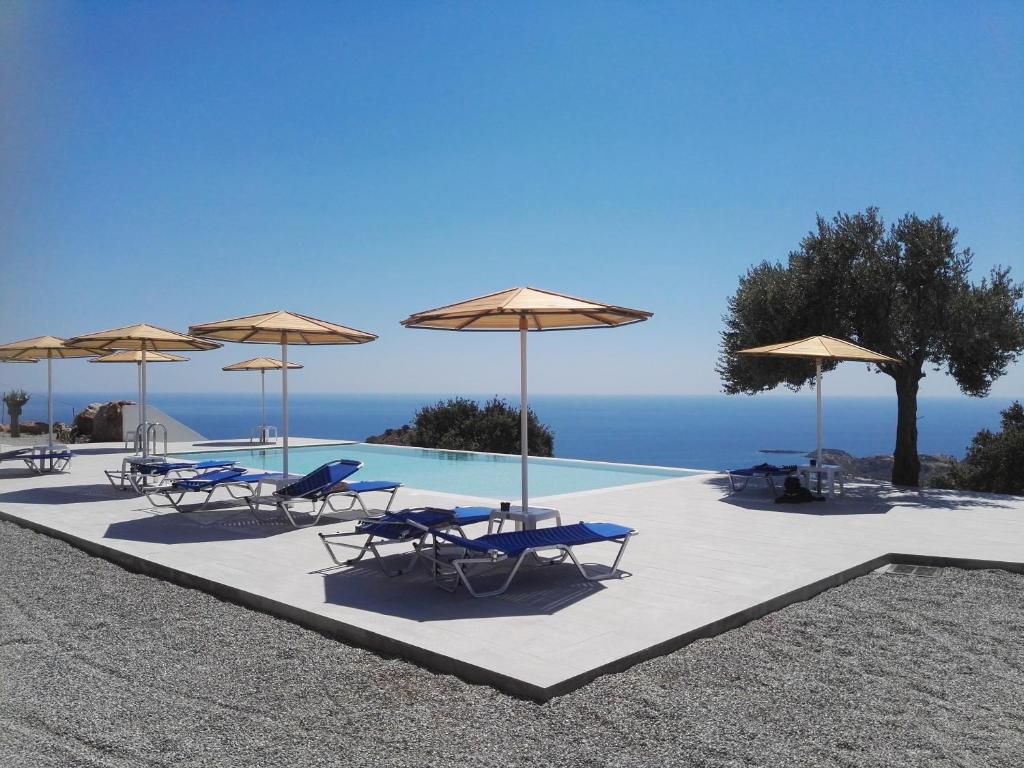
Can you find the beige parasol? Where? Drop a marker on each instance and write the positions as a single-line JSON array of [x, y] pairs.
[[819, 348], [261, 364], [282, 328], [135, 356], [40, 348], [523, 310], [145, 339]]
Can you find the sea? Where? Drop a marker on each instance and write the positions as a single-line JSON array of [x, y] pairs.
[[695, 431]]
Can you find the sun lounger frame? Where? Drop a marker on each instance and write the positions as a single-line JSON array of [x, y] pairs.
[[449, 572], [130, 475], [174, 493], [404, 532], [321, 496]]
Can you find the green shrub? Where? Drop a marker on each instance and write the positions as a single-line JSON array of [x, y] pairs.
[[994, 461], [460, 424]]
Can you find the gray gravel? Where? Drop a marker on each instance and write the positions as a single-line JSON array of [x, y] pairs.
[[102, 667]]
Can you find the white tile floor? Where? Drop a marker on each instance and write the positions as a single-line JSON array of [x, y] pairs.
[[701, 557]]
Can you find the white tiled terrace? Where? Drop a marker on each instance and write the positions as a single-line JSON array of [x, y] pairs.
[[703, 562]]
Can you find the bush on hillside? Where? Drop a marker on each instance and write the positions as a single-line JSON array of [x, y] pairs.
[[460, 424], [994, 461]]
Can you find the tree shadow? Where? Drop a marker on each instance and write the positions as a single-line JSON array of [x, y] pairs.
[[538, 590], [868, 498], [857, 500]]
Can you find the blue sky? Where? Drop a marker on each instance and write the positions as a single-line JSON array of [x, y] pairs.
[[182, 163]]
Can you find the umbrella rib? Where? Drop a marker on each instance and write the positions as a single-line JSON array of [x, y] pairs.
[[472, 320]]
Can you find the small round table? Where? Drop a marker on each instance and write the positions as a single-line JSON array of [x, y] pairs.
[[526, 521], [832, 473]]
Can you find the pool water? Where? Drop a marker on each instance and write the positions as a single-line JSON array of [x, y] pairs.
[[473, 474]]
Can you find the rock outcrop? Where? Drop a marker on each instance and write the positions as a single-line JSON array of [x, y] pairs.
[[102, 422], [108, 423]]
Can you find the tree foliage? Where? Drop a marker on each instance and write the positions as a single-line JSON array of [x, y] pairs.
[[903, 290], [466, 425], [994, 461]]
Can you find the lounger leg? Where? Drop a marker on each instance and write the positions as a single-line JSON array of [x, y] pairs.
[[460, 568], [291, 519], [599, 576]]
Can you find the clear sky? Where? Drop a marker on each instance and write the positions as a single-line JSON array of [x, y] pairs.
[[177, 163]]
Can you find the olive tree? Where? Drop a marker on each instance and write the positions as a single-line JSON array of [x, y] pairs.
[[903, 290]]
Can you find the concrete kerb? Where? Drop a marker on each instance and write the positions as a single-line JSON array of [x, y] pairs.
[[390, 647]]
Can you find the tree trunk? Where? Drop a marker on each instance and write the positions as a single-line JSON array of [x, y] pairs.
[[15, 423], [906, 467]]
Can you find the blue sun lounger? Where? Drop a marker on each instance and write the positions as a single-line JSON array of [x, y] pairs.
[[452, 563], [42, 459], [397, 528], [320, 487], [136, 470], [233, 479], [17, 453], [36, 458], [766, 472]]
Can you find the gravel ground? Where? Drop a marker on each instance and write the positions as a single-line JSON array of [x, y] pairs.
[[102, 667]]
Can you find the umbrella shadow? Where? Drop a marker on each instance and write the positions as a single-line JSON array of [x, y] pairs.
[[243, 443], [218, 522], [540, 590], [860, 499], [83, 450], [227, 520], [64, 494]]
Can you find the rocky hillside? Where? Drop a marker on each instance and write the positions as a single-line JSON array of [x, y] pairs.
[[880, 467]]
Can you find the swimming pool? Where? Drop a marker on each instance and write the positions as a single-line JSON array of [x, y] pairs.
[[474, 474]]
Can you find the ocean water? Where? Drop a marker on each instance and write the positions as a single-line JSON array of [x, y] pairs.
[[699, 432]]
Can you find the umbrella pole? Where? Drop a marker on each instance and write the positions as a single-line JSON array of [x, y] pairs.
[[263, 405], [817, 390], [284, 404], [142, 405], [524, 421], [49, 398]]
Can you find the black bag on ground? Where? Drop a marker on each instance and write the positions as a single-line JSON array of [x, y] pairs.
[[794, 493]]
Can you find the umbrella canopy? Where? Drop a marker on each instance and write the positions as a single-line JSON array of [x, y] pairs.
[[140, 337], [43, 348], [135, 356], [144, 339], [820, 348], [524, 310], [541, 311], [282, 328], [261, 364]]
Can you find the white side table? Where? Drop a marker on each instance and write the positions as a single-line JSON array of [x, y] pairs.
[[832, 472], [525, 521]]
